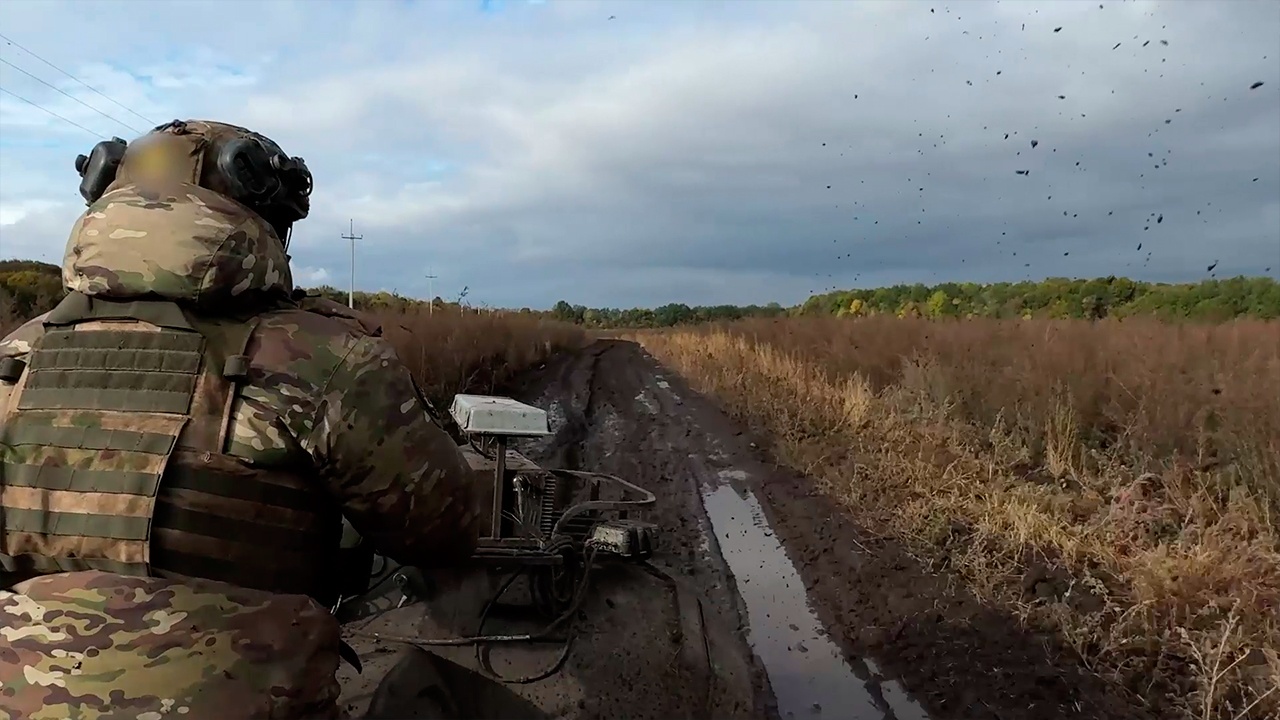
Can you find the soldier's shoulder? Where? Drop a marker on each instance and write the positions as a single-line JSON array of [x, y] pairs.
[[363, 321], [19, 341], [308, 344]]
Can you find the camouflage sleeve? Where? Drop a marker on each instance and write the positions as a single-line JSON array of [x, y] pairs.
[[400, 477], [18, 342]]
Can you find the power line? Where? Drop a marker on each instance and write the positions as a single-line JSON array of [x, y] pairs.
[[40, 107], [13, 42], [73, 97], [430, 292], [353, 237]]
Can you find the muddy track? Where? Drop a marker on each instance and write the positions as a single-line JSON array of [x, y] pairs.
[[590, 397], [615, 411], [828, 622]]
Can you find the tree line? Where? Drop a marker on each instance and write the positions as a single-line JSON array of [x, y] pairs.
[[1211, 300], [28, 288]]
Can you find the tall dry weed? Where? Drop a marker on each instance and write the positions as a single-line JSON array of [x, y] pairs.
[[1136, 462], [449, 353]]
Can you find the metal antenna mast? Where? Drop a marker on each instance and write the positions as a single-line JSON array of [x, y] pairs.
[[431, 294], [351, 235]]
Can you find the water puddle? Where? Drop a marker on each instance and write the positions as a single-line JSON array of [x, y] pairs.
[[809, 674]]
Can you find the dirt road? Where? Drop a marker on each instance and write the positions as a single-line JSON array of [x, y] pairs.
[[618, 413], [797, 602]]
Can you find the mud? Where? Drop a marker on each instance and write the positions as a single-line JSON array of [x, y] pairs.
[[804, 616], [624, 415]]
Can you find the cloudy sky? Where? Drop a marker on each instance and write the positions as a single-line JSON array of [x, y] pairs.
[[636, 153]]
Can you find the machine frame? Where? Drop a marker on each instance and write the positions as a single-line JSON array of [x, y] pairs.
[[536, 514]]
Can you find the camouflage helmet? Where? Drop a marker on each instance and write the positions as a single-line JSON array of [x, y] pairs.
[[230, 160]]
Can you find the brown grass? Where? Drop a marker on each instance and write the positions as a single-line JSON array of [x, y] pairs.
[[450, 353], [1117, 481]]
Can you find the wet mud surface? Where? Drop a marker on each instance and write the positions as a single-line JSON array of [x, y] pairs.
[[800, 615]]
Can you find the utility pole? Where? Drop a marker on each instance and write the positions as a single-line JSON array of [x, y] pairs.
[[431, 294], [351, 235]]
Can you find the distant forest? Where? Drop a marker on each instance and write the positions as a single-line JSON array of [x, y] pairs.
[[28, 288]]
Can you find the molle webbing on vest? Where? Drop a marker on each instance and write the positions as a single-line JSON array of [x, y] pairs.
[[114, 458], [219, 519], [114, 370], [84, 453]]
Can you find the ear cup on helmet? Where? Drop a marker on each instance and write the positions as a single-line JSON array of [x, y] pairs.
[[296, 185], [248, 170], [98, 169]]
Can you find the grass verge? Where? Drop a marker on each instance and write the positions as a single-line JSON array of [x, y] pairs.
[[449, 353], [1116, 482]]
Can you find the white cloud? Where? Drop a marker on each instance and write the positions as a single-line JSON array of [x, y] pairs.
[[310, 276], [676, 152]]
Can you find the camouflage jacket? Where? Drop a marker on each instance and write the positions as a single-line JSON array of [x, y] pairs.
[[324, 392]]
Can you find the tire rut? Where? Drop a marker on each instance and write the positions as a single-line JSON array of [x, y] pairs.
[[597, 392]]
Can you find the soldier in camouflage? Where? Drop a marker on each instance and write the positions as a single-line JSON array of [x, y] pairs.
[[180, 439]]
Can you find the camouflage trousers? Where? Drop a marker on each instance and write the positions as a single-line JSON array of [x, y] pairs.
[[93, 645]]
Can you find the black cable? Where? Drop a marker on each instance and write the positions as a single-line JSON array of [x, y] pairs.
[[41, 107], [13, 42], [386, 575], [482, 654], [69, 95], [480, 640]]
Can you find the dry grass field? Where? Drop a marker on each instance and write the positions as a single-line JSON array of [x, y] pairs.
[[1117, 481], [450, 353]]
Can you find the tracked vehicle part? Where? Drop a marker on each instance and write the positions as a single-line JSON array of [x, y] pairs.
[[549, 526], [496, 416], [624, 538], [535, 512]]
